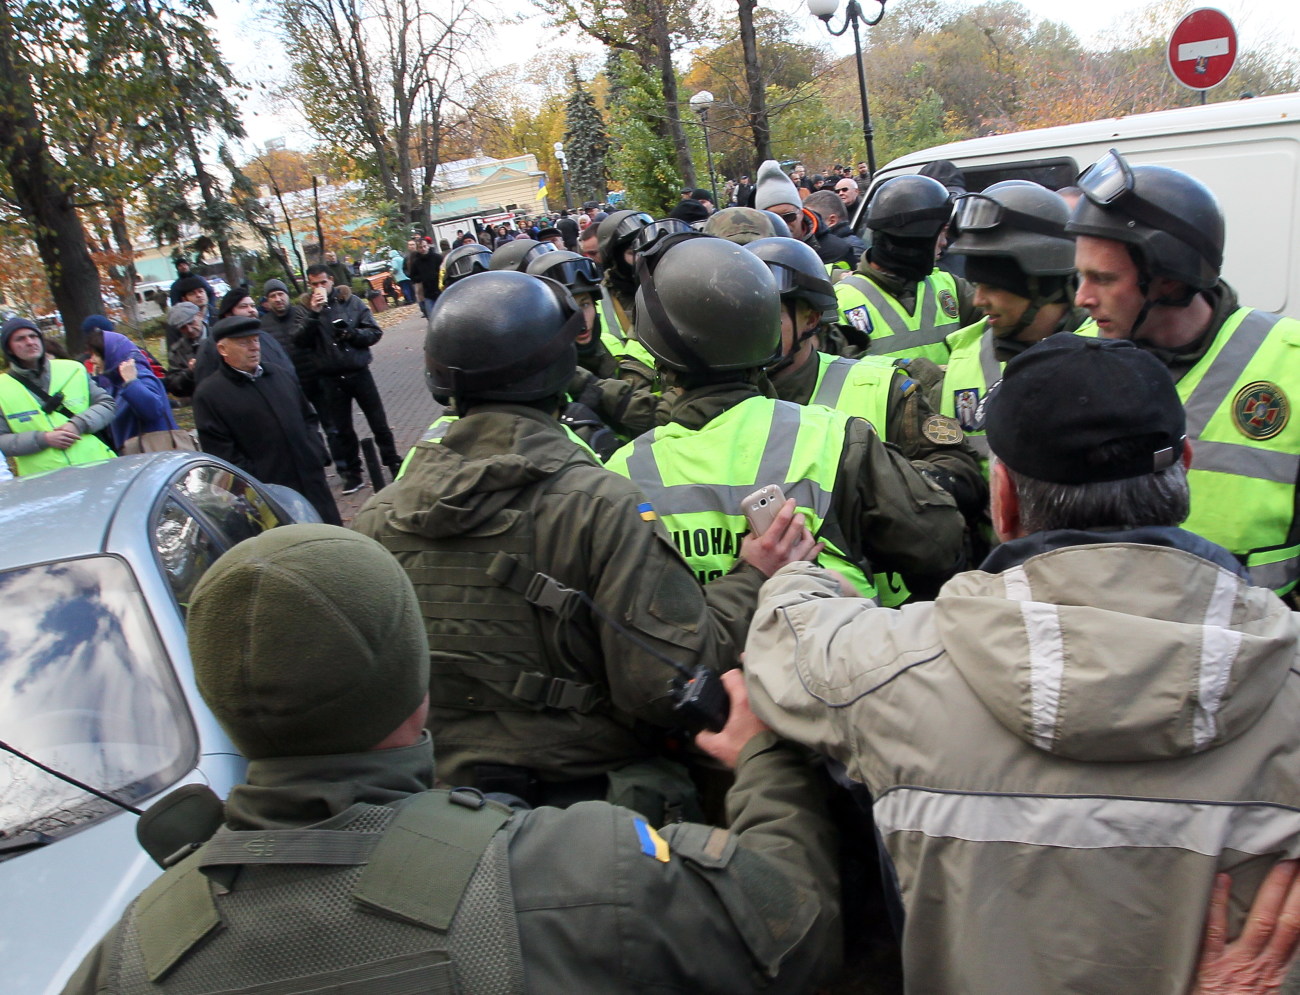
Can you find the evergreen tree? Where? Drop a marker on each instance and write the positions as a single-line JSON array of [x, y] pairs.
[[641, 159], [586, 142]]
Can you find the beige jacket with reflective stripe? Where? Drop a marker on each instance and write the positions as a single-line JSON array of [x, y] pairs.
[[1061, 754]]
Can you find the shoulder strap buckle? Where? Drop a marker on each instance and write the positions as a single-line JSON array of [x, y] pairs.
[[556, 692]]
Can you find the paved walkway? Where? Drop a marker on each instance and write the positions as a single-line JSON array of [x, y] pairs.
[[398, 369]]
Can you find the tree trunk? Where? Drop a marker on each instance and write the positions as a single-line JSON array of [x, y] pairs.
[[758, 123], [122, 239], [672, 111], [43, 194]]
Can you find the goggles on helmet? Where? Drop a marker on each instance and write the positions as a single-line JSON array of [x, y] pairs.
[[1109, 182], [540, 249], [656, 230], [574, 273], [632, 224], [979, 212], [794, 283], [467, 263]]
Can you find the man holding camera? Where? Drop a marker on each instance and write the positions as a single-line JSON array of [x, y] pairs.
[[342, 330]]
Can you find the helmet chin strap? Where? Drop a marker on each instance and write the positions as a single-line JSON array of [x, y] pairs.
[[787, 358]]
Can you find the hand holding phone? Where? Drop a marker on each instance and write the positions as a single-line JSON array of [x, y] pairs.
[[761, 507]]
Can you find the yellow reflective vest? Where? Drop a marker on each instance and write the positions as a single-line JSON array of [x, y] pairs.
[[696, 479], [895, 331], [1246, 444], [22, 412]]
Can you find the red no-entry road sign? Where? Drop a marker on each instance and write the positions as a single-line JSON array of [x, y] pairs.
[[1202, 49]]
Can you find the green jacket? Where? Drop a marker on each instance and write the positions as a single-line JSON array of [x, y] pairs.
[[586, 899], [461, 498]]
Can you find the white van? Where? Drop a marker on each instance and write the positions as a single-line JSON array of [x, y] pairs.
[[1246, 151]]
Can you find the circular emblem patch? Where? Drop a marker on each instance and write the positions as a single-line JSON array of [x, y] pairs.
[[942, 430], [1261, 410], [948, 303]]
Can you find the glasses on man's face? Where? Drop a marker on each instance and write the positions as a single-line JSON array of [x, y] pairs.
[[843, 189], [790, 218]]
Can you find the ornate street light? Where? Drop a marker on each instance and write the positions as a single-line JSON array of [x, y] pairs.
[[825, 10], [701, 103], [564, 172]]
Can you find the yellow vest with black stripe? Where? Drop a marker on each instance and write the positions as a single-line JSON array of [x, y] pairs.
[[696, 479], [1246, 444], [973, 368], [893, 330], [22, 412]]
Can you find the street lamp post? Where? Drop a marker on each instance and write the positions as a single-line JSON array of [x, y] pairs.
[[564, 173], [701, 103], [320, 236], [825, 10]]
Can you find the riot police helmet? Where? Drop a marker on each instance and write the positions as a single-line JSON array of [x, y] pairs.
[[463, 261], [1172, 222], [578, 274], [707, 306], [911, 206], [503, 336], [799, 272], [1019, 220], [518, 254]]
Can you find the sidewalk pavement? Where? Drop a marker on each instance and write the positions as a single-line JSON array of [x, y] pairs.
[[398, 368]]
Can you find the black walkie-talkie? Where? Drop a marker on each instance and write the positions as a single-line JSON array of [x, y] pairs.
[[701, 699]]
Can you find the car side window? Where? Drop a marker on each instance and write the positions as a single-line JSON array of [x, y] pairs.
[[228, 501], [185, 547]]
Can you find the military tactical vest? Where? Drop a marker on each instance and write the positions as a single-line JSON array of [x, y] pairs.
[[697, 479], [495, 649], [413, 899], [893, 330], [22, 411], [1246, 444]]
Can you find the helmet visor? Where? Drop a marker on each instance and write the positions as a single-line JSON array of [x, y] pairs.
[[656, 230], [469, 262], [632, 224], [980, 212], [1107, 180], [540, 249], [576, 274]]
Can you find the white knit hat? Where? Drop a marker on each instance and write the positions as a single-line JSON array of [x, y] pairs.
[[774, 187]]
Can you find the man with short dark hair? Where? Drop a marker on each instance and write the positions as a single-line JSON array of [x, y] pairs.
[[424, 267], [256, 417], [1118, 701], [341, 332]]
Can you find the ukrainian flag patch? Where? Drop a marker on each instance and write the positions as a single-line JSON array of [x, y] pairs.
[[647, 511], [652, 844]]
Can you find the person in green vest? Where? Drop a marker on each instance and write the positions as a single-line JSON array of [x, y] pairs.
[[710, 313], [615, 236], [50, 408], [1149, 249], [337, 867], [1021, 261], [896, 300], [499, 517]]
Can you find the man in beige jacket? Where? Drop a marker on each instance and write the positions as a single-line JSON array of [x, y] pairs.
[[1070, 742]]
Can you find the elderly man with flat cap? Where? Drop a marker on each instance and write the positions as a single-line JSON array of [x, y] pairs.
[[1070, 742], [338, 869], [254, 415]]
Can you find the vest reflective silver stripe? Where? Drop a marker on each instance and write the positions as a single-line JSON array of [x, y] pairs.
[[682, 499], [903, 337], [1208, 396], [1088, 822], [1275, 575], [1245, 461], [832, 385], [989, 365]]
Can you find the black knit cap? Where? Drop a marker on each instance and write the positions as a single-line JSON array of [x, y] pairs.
[[188, 283], [233, 296], [1078, 410]]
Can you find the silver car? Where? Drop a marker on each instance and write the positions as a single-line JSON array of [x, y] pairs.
[[97, 566]]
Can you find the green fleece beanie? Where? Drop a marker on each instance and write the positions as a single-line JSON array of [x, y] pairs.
[[308, 640]]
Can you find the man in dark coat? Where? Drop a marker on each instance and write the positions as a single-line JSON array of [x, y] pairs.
[[256, 417]]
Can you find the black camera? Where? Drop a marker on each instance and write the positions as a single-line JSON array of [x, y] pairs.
[[340, 328]]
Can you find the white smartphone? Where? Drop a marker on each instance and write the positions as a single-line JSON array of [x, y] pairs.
[[761, 507]]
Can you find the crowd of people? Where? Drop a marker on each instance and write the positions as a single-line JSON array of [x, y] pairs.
[[786, 607]]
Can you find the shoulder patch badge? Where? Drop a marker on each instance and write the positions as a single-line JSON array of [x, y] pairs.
[[650, 842], [966, 405], [1260, 410], [942, 430], [949, 304], [860, 318]]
